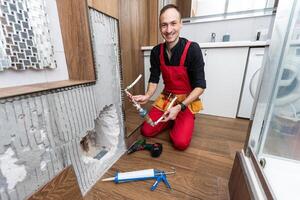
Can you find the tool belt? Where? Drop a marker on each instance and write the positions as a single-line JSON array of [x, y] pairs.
[[164, 99]]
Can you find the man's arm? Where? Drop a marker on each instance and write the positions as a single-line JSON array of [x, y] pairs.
[[151, 89], [196, 92], [153, 79]]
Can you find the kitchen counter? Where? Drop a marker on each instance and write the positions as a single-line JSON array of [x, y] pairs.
[[225, 44]]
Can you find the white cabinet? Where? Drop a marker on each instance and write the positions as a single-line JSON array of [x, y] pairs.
[[224, 73], [251, 81], [147, 66]]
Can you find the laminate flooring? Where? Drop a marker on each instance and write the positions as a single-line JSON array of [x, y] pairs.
[[202, 171]]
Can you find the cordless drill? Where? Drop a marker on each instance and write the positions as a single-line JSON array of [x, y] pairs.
[[155, 149]]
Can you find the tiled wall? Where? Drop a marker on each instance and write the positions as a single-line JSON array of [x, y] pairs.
[[40, 43], [25, 35], [40, 134]]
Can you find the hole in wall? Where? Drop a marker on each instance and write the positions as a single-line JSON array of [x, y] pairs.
[[89, 146], [105, 135]]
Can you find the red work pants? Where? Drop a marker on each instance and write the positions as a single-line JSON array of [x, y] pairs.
[[181, 128]]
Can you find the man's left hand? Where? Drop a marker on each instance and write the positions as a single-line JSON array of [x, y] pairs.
[[172, 113]]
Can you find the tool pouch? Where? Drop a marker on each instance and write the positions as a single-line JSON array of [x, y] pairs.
[[163, 100]]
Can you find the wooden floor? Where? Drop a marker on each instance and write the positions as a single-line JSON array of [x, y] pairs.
[[202, 171]]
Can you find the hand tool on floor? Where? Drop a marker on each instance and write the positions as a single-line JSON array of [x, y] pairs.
[[155, 149], [142, 175]]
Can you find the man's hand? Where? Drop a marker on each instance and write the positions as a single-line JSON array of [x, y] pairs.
[[172, 113], [141, 99]]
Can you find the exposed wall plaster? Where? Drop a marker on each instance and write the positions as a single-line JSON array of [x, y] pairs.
[[10, 170], [107, 128], [43, 131]]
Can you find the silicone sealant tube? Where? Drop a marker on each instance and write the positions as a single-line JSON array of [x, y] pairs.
[[134, 176]]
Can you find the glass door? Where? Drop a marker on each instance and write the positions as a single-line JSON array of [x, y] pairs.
[[275, 134], [283, 116]]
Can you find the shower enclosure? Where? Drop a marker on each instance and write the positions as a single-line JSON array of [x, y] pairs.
[[272, 151]]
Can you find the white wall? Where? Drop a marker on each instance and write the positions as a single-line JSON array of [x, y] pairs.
[[243, 29]]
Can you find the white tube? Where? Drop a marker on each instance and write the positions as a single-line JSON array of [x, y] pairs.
[[134, 82], [172, 102], [170, 105], [147, 173]]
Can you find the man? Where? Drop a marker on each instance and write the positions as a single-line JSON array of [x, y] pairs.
[[181, 64]]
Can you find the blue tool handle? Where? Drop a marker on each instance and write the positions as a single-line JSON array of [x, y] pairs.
[[161, 177], [165, 180], [154, 186]]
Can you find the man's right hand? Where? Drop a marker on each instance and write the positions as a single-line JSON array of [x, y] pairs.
[[141, 99]]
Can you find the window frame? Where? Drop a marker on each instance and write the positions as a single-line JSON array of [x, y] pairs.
[[230, 15]]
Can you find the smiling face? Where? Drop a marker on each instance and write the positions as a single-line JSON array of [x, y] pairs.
[[170, 25]]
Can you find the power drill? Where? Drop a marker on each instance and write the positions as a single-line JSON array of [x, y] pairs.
[[155, 149]]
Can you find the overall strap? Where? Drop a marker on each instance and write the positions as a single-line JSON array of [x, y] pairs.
[[183, 56], [161, 55]]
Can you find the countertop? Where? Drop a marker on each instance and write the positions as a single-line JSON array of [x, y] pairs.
[[225, 44]]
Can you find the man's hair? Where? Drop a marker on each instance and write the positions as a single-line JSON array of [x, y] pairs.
[[169, 6]]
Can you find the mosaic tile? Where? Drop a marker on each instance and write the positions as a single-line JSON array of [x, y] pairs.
[[26, 62], [33, 59], [20, 66], [4, 9], [8, 51], [14, 59], [20, 16], [25, 35], [22, 45], [3, 20], [9, 40], [28, 52], [11, 18], [13, 7]]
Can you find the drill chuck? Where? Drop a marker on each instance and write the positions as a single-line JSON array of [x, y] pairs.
[[156, 150]]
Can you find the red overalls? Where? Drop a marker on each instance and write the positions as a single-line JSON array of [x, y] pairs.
[[177, 82]]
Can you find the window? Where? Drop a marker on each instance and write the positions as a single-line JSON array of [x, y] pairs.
[[207, 7], [221, 7], [244, 5]]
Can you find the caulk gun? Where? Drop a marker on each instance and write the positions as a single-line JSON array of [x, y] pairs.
[[142, 175]]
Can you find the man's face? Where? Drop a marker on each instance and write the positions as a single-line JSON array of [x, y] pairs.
[[170, 25]]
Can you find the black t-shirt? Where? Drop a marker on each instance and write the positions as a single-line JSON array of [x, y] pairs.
[[194, 62]]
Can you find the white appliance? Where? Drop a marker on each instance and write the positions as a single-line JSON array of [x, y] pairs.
[[250, 83]]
